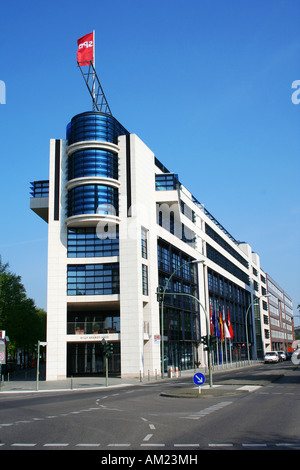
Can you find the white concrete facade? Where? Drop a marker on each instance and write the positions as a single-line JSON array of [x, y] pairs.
[[231, 275]]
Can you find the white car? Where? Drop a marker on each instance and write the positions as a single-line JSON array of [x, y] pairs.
[[271, 356], [282, 355]]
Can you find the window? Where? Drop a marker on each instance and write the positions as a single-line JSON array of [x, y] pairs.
[[94, 126], [160, 218], [164, 257], [144, 244], [85, 243], [39, 188], [93, 279], [172, 224], [166, 182], [93, 199], [93, 162], [145, 279]]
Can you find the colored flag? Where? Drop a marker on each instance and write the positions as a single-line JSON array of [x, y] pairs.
[[229, 325], [226, 331], [211, 322], [85, 51], [221, 325], [216, 325]]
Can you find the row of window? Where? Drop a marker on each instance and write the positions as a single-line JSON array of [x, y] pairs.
[[170, 259], [39, 188], [166, 182], [219, 259], [212, 234], [220, 286]]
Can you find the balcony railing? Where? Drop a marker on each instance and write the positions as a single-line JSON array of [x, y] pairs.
[[39, 188], [89, 328], [96, 328]]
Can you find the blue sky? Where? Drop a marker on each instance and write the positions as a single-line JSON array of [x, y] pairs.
[[206, 84]]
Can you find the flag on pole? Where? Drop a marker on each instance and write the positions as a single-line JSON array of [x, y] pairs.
[[226, 331], [85, 51], [221, 325], [215, 320], [229, 325], [211, 322]]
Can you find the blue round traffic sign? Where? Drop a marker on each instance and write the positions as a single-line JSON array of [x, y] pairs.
[[199, 379]]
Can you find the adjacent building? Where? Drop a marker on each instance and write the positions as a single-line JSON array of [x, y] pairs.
[[120, 226]]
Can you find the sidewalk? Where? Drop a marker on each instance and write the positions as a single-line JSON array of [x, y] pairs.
[[245, 382], [26, 382]]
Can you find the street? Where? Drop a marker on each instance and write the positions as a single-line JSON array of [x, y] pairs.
[[259, 415]]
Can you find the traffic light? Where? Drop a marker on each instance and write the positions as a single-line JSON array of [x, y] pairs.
[[108, 349], [213, 342], [205, 341], [209, 342], [159, 293]]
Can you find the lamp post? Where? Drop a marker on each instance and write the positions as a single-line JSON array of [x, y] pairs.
[[207, 330], [162, 311], [246, 322]]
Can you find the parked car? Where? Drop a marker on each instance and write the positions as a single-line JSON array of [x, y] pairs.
[[282, 355], [271, 356]]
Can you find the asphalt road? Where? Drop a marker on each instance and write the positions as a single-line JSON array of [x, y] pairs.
[[252, 409]]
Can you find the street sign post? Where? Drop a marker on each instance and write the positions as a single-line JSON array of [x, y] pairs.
[[2, 357], [199, 380]]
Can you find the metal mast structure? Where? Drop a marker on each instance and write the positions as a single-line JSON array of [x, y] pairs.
[[93, 84]]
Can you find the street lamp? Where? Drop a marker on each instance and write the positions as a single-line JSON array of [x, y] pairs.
[[248, 309], [162, 310]]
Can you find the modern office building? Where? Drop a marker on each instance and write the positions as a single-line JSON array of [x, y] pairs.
[[280, 334], [120, 225]]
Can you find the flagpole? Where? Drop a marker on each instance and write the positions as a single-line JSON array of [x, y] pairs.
[[94, 65], [218, 335], [225, 335]]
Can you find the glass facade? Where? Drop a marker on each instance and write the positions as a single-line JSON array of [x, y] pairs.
[[166, 182], [85, 243], [225, 294], [94, 126], [93, 279], [93, 199], [88, 359], [93, 162], [219, 259], [181, 312]]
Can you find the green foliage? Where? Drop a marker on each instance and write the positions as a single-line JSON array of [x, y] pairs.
[[23, 322]]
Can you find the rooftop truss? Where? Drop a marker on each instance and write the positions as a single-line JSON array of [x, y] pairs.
[[94, 86]]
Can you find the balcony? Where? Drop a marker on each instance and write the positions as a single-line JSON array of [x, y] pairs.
[[99, 328], [92, 328], [39, 200]]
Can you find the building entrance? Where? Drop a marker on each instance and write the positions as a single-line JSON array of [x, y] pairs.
[[88, 359]]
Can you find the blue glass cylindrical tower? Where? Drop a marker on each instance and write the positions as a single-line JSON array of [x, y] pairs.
[[93, 168]]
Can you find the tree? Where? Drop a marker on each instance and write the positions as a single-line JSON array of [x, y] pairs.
[[23, 322]]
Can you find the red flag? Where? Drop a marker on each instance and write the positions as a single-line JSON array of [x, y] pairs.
[[229, 325], [85, 51]]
